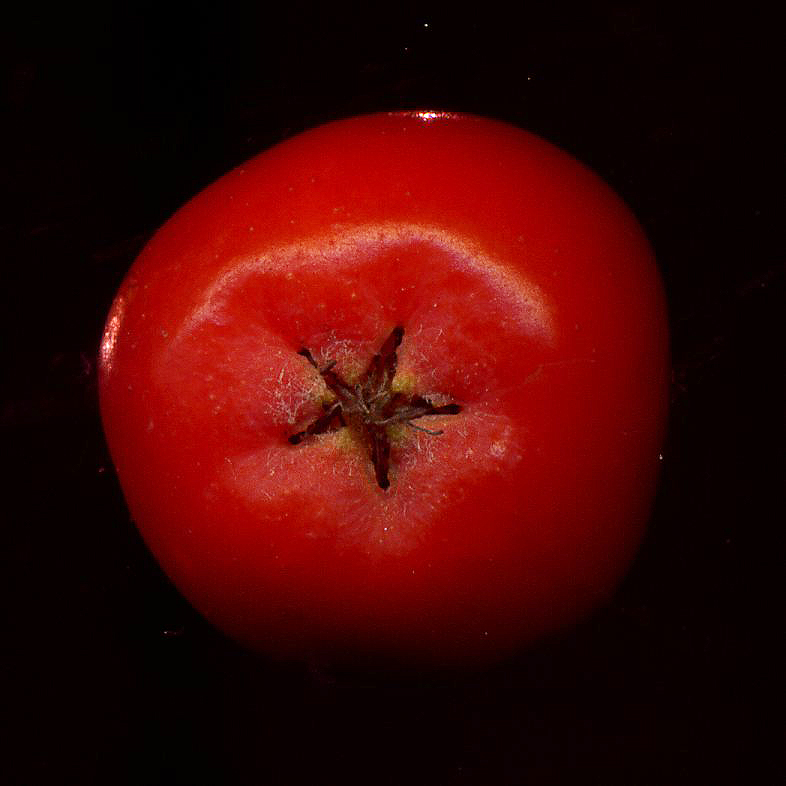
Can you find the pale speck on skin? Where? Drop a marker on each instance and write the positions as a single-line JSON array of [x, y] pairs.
[[497, 449]]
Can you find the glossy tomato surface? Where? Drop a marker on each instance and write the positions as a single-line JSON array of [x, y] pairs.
[[393, 389]]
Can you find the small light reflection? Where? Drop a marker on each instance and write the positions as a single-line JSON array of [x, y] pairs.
[[428, 117], [111, 332]]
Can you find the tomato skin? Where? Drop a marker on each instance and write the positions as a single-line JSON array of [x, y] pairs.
[[527, 293]]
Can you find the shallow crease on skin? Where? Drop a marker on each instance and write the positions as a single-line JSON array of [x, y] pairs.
[[341, 251]]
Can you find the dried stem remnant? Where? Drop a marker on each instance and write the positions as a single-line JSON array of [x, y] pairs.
[[371, 405]]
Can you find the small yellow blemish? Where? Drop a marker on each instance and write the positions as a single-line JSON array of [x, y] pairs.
[[404, 383], [345, 439], [352, 372], [397, 432]]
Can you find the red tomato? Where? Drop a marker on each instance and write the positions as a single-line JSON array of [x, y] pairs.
[[394, 389]]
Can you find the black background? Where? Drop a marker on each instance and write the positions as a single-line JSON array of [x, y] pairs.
[[111, 120]]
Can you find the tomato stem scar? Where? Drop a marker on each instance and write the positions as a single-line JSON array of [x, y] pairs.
[[371, 405]]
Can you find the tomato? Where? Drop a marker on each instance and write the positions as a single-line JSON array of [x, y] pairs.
[[393, 390]]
